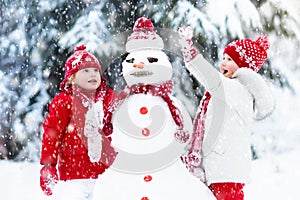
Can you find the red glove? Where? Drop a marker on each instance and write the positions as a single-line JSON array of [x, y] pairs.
[[48, 177], [187, 47]]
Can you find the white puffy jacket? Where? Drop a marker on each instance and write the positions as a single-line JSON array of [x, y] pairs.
[[233, 105]]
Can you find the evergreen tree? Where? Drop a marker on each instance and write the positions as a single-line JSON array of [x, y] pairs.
[[38, 36], [29, 58]]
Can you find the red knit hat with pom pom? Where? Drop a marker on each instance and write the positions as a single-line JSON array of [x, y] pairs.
[[79, 60], [248, 53], [143, 36]]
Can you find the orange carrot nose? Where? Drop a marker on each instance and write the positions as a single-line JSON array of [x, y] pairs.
[[139, 65]]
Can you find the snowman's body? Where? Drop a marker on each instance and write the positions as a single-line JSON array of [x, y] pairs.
[[148, 166], [143, 124]]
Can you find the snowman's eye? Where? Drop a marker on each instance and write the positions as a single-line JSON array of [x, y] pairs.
[[130, 60], [152, 60]]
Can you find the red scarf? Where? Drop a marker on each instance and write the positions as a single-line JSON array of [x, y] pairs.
[[83, 102], [192, 157], [163, 90], [88, 98]]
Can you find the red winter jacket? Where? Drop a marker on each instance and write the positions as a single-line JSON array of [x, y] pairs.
[[64, 144]]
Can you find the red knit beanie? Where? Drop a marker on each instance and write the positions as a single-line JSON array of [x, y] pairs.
[[79, 60], [248, 53]]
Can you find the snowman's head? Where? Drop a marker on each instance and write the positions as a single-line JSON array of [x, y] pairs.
[[146, 62], [149, 66]]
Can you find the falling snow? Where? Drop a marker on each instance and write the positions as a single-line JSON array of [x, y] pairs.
[[37, 37]]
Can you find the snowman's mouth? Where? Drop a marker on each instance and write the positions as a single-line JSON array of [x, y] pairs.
[[141, 73]]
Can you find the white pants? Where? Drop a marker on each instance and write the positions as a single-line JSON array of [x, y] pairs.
[[79, 189]]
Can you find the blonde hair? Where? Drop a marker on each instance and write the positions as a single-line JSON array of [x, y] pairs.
[[71, 79]]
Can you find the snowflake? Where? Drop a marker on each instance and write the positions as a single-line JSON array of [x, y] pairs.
[[249, 59], [240, 50]]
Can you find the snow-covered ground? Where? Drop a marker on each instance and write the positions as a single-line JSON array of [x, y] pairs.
[[274, 177]]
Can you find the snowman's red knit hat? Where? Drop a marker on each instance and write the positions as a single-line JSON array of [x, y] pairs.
[[248, 53], [79, 60], [143, 36]]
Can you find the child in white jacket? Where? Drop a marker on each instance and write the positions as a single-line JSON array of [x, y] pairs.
[[220, 151]]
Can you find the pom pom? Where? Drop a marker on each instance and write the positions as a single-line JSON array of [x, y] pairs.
[[80, 48], [263, 42], [181, 136], [194, 158], [143, 24]]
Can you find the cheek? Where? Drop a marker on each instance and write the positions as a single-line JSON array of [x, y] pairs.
[[127, 67], [81, 78], [99, 76], [233, 67]]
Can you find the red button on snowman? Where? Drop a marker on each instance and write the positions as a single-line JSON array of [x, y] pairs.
[[151, 128]]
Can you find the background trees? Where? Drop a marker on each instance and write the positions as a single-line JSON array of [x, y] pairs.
[[38, 36]]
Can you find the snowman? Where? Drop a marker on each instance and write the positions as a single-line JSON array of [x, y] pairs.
[[151, 129]]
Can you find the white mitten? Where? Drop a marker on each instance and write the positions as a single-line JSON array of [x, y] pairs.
[[93, 121], [187, 47]]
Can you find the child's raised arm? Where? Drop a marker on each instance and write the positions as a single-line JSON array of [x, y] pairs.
[[197, 65], [264, 102]]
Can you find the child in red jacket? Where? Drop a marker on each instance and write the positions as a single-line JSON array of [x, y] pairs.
[[76, 138]]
